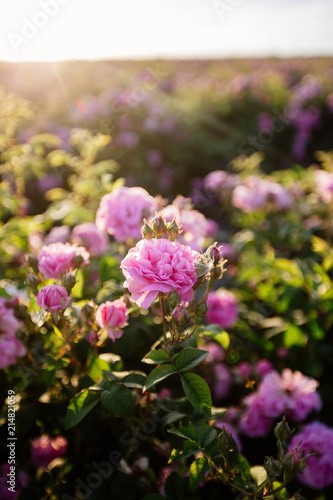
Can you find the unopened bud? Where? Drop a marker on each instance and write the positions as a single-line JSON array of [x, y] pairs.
[[224, 441], [146, 230], [32, 280], [32, 261], [173, 230], [273, 468], [88, 311], [68, 282], [159, 226], [201, 311], [180, 315], [282, 430], [294, 461], [92, 337], [173, 299]]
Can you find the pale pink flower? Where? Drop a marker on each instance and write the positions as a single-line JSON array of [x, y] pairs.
[[112, 316], [45, 449], [121, 212], [316, 438], [58, 258], [53, 298], [222, 308], [58, 234], [255, 193], [11, 348], [90, 237], [159, 265], [324, 184], [8, 322]]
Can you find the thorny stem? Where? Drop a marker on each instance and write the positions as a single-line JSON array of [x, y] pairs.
[[165, 324]]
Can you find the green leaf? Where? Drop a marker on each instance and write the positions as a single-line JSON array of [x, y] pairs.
[[96, 367], [197, 391], [77, 290], [156, 357], [259, 474], [79, 407], [118, 400], [206, 434], [159, 373], [188, 432], [134, 380], [244, 467], [197, 472], [294, 336], [189, 358], [215, 332]]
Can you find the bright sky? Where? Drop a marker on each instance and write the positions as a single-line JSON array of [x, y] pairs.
[[93, 29]]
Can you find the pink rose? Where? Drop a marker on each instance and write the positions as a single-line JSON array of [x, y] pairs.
[[222, 308], [10, 349], [112, 316], [316, 438], [58, 258], [159, 265], [58, 234], [121, 212], [8, 322], [52, 298], [45, 449], [263, 366], [324, 185], [89, 236]]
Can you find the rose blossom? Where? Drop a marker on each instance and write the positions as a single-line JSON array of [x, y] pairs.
[[8, 322], [255, 193], [10, 349], [159, 265], [112, 316], [58, 234], [52, 298], [89, 236], [291, 393], [44, 449], [121, 212], [222, 381], [317, 439], [222, 308], [58, 258]]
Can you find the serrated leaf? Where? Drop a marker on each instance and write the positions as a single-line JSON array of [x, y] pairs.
[[205, 435], [184, 432], [197, 472], [197, 391], [189, 358], [118, 400], [244, 467], [156, 357], [79, 407], [159, 373]]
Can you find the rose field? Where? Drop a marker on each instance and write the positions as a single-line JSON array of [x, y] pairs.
[[166, 280]]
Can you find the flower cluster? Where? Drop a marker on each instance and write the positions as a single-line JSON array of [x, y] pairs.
[[255, 193], [290, 393], [58, 258]]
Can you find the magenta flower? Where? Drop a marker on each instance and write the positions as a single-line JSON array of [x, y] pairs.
[[112, 316], [222, 381], [53, 298], [159, 265], [19, 481], [316, 438], [10, 349], [45, 449], [244, 369], [121, 212], [90, 237], [8, 322], [222, 308], [253, 422], [263, 366], [58, 258]]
